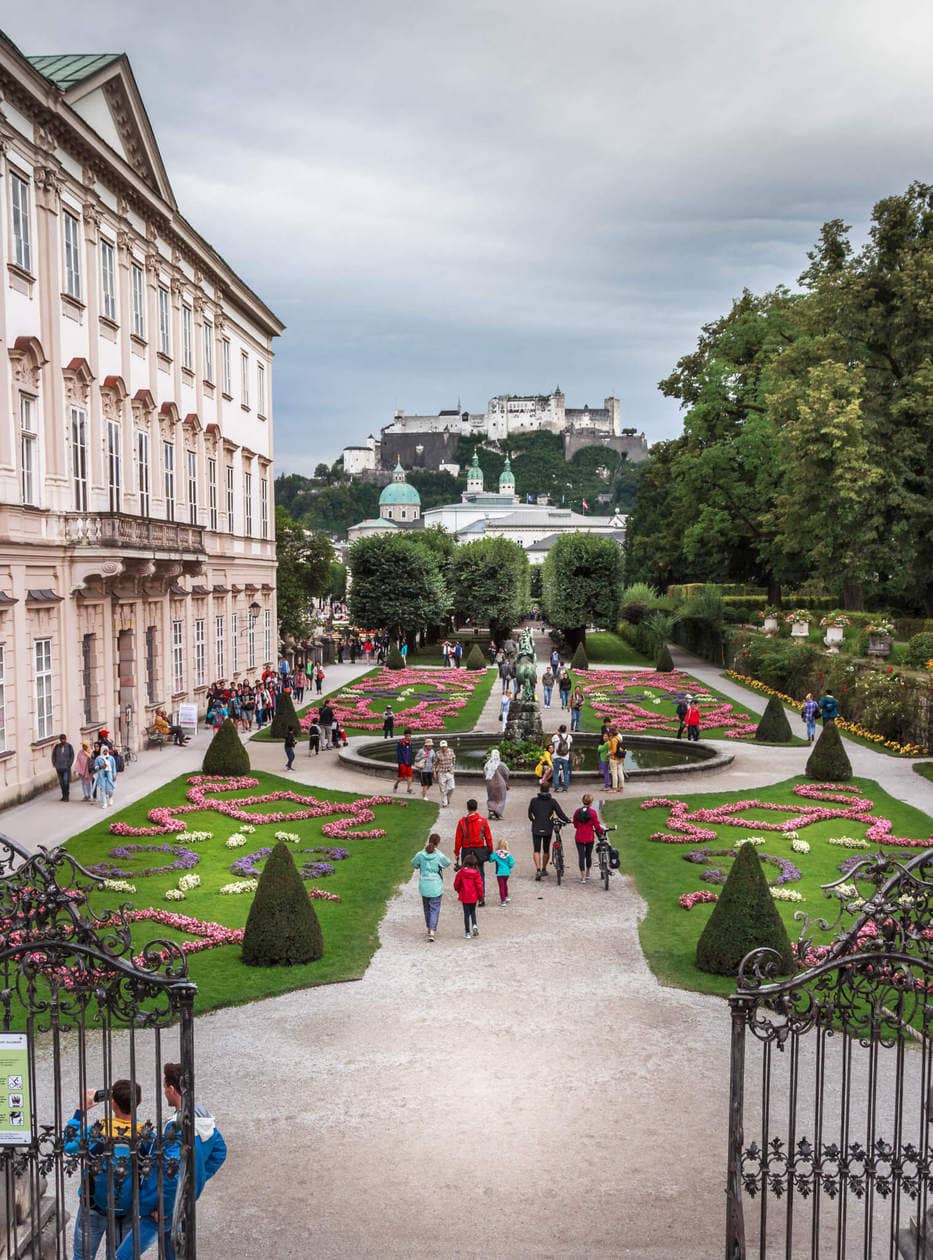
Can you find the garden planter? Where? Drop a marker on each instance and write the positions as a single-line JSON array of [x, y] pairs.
[[834, 636], [799, 629], [879, 645], [771, 625]]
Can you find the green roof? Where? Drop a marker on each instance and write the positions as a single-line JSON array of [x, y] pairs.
[[399, 492], [67, 69]]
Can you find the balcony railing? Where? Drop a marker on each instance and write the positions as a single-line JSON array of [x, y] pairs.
[[115, 529]]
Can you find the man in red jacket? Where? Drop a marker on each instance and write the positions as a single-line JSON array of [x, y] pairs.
[[474, 836]]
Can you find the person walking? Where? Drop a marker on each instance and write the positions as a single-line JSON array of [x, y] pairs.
[[692, 720], [602, 759], [63, 756], [542, 810], [424, 764], [547, 682], [504, 705], [680, 710], [318, 680], [388, 723], [829, 708], [616, 749], [496, 774], [83, 768], [504, 673], [105, 777], [810, 712], [576, 709], [469, 886], [290, 742], [561, 744], [585, 821], [404, 760], [444, 763], [457, 654], [326, 719], [430, 863], [301, 681], [564, 683], [445, 653], [555, 662], [503, 861], [314, 738], [474, 836]]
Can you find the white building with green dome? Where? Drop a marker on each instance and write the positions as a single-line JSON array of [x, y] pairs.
[[399, 501]]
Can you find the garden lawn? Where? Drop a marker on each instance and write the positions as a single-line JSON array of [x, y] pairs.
[[451, 700], [364, 881], [924, 769], [645, 702], [669, 934], [604, 647], [304, 710]]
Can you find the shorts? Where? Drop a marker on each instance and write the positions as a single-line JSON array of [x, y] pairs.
[[427, 778], [540, 842], [404, 772]]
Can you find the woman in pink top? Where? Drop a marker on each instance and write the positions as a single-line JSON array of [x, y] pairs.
[[692, 720], [585, 821]]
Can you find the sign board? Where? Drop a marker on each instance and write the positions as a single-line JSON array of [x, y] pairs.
[[188, 716], [15, 1120]]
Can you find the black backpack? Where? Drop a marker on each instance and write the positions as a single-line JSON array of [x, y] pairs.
[[583, 816]]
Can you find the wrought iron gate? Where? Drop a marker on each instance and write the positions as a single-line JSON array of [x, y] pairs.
[[80, 1008], [831, 1079]]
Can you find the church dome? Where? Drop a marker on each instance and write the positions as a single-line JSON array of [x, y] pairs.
[[507, 479], [398, 492]]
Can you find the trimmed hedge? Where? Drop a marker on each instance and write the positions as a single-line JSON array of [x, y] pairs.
[[829, 761], [395, 660], [475, 658], [226, 753], [282, 928], [744, 918], [665, 662], [580, 659], [774, 727], [285, 717]]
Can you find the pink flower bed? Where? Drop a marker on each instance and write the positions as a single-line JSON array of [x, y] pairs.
[[353, 706], [688, 900], [683, 829], [632, 716], [209, 935], [166, 819]]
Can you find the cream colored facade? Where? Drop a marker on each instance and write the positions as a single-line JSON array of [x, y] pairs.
[[137, 554]]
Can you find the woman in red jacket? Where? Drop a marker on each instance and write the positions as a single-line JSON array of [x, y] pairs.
[[469, 887], [692, 720]]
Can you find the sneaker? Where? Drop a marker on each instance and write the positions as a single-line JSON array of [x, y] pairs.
[[430, 936], [475, 930], [467, 936], [507, 900], [395, 788], [582, 879], [482, 901], [501, 905], [537, 875]]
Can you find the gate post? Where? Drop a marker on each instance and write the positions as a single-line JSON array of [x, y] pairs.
[[184, 1225], [735, 1218]]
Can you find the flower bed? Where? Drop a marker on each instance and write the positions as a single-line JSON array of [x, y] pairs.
[[425, 699], [643, 701]]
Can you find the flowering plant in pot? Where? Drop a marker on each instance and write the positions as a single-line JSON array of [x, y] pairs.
[[835, 619], [798, 615], [881, 626]]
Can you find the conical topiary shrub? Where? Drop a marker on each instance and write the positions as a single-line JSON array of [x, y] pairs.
[[285, 716], [665, 663], [774, 727], [395, 660], [282, 928], [580, 659], [744, 918], [476, 659], [226, 753], [829, 762]]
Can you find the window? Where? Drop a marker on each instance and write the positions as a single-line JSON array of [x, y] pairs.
[[267, 634], [250, 641], [199, 645], [192, 457], [22, 238], [79, 457], [264, 507], [260, 389], [165, 325], [107, 280], [168, 464], [142, 470], [230, 498], [212, 493], [150, 664], [43, 688], [72, 255], [114, 465], [178, 657], [228, 379], [209, 351], [248, 504], [139, 300], [28, 449], [244, 378], [187, 338], [219, 645], [87, 677], [234, 646], [2, 700]]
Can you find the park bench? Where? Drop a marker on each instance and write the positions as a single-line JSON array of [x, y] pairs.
[[154, 737]]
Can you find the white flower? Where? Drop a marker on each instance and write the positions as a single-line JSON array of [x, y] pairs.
[[755, 841], [174, 894], [786, 894], [239, 886], [248, 828], [845, 892], [187, 882], [236, 841], [800, 846], [196, 836], [791, 835], [288, 837], [849, 842], [119, 885]]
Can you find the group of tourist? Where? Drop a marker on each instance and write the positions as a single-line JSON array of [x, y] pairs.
[[95, 767]]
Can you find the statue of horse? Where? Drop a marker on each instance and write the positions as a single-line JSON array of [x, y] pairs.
[[526, 675]]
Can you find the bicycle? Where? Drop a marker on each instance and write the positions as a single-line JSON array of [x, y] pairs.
[[603, 851], [557, 852], [128, 754]]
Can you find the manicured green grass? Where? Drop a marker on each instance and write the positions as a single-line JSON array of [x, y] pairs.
[[365, 881], [925, 769], [669, 934], [311, 700], [604, 647]]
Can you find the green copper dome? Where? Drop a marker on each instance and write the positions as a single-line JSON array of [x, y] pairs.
[[507, 480], [398, 492]]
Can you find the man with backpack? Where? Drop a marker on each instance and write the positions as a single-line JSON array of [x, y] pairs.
[[560, 753], [474, 835], [681, 712], [829, 708]]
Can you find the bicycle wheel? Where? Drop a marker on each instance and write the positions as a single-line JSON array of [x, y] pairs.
[[604, 869], [557, 855]]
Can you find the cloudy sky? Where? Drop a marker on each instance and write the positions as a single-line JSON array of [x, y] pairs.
[[454, 200]]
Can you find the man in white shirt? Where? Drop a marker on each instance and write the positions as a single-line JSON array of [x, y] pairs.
[[561, 744]]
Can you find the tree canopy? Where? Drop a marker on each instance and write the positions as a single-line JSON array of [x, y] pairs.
[[396, 584], [491, 584], [582, 584], [303, 573]]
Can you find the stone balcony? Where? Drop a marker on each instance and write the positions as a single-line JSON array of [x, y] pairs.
[[132, 533]]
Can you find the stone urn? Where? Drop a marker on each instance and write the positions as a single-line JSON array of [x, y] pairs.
[[879, 645], [771, 625], [799, 629], [833, 637]]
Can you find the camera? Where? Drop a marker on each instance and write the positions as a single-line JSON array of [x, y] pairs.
[[101, 1095]]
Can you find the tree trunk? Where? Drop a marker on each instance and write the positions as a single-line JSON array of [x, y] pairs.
[[774, 593], [853, 596]]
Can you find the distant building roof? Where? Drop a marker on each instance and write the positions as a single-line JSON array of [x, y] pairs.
[[67, 69]]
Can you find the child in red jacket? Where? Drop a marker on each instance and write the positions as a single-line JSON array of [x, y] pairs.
[[468, 883]]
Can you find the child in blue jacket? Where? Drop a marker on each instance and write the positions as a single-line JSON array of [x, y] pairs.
[[504, 861]]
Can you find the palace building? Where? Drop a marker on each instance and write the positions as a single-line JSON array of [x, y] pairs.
[[136, 494]]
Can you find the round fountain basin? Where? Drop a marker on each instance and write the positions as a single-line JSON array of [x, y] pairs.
[[646, 757]]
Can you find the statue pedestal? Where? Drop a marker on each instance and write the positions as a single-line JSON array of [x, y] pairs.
[[524, 722]]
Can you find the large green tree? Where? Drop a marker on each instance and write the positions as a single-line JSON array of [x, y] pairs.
[[397, 585], [582, 584], [491, 584], [302, 574]]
